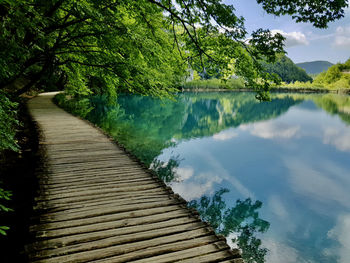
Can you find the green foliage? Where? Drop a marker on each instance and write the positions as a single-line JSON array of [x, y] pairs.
[[141, 46], [285, 68], [230, 84], [335, 77], [8, 123], [166, 171], [242, 220], [319, 12], [4, 196], [123, 45], [304, 85], [334, 104], [77, 106], [8, 127]]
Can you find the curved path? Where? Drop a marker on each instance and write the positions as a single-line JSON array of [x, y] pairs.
[[96, 204]]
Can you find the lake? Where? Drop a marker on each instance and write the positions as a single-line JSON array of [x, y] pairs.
[[272, 172]]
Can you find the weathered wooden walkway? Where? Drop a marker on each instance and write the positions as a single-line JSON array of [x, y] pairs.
[[96, 204]]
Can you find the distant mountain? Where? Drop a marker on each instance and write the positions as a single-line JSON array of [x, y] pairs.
[[315, 67], [287, 70]]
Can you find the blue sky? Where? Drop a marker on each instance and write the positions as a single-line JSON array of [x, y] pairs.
[[304, 42]]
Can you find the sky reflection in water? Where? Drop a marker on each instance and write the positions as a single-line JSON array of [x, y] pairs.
[[297, 164], [291, 154]]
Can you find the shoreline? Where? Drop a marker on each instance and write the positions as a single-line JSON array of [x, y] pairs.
[[275, 90]]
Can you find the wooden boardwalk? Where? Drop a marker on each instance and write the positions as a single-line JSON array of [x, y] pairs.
[[96, 204]]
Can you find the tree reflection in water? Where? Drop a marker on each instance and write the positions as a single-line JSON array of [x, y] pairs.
[[166, 171], [241, 221]]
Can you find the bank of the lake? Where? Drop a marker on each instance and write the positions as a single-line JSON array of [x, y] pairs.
[[287, 88]]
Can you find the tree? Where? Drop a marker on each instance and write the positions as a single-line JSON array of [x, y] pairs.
[[108, 43], [128, 44]]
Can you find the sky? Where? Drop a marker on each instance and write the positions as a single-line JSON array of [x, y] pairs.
[[304, 42]]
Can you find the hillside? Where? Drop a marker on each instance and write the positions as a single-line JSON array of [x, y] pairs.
[[315, 67], [336, 77], [287, 70]]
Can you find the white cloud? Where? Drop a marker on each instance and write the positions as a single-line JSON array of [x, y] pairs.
[[202, 184], [342, 37], [184, 173], [219, 169], [225, 135], [272, 130], [292, 38], [276, 206], [341, 234], [318, 184], [338, 138], [199, 184], [280, 252]]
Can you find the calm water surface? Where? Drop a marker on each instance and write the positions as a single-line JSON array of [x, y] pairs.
[[291, 154]]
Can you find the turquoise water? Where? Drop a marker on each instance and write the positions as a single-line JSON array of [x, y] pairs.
[[291, 155]]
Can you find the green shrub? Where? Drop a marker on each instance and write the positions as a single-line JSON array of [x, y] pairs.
[[77, 106], [8, 123], [215, 84]]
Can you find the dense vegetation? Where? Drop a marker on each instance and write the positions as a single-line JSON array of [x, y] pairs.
[[315, 67], [285, 68], [337, 77], [8, 123], [214, 83]]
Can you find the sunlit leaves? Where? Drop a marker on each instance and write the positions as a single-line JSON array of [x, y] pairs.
[[141, 46], [318, 12]]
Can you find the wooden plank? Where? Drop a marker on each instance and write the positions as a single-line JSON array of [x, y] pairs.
[[184, 253], [102, 210], [213, 256], [105, 209], [149, 219], [99, 196], [95, 180], [96, 203], [103, 218], [66, 241], [97, 186], [98, 170], [80, 194], [125, 244], [95, 174]]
